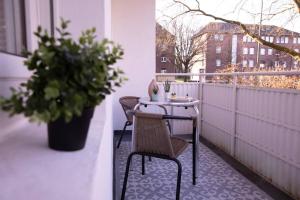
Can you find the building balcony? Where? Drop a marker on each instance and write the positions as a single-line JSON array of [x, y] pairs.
[[256, 129], [249, 145]]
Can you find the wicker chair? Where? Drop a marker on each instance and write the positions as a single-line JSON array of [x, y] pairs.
[[128, 103], [151, 138]]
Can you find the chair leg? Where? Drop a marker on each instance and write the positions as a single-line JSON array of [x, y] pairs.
[[143, 165], [126, 176], [178, 178], [123, 132], [169, 125]]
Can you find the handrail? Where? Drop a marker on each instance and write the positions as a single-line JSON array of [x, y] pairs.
[[287, 73]]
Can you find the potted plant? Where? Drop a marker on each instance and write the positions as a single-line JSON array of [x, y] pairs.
[[69, 78], [167, 87]]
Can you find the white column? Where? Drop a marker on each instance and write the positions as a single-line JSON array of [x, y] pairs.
[[133, 26]]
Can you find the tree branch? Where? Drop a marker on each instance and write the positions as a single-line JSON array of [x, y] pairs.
[[257, 38]]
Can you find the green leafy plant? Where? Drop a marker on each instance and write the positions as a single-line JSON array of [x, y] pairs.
[[155, 90], [167, 85], [67, 76]]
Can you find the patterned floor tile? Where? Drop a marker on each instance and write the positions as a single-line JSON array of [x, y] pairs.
[[216, 181]]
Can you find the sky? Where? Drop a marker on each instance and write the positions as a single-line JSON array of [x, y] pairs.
[[242, 10]]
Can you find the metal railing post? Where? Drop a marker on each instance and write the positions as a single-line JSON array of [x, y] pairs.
[[200, 97], [234, 101]]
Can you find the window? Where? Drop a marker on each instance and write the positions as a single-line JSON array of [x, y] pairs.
[[218, 50], [262, 51], [297, 50], [286, 40], [251, 63], [216, 37], [262, 64], [251, 51], [219, 37], [163, 59], [218, 62], [267, 38], [163, 70], [277, 40], [270, 52], [295, 40], [12, 26], [298, 40], [245, 50], [284, 64], [295, 64], [271, 38], [244, 63], [282, 39], [245, 38]]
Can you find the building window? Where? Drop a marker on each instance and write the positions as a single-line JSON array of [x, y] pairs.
[[295, 40], [218, 62], [218, 50], [251, 63], [277, 40], [276, 63], [298, 40], [284, 64], [163, 59], [286, 40], [251, 51], [296, 64], [219, 37], [262, 51], [245, 50], [270, 52], [244, 63], [12, 26], [271, 38], [262, 64], [163, 70], [297, 50], [245, 38]]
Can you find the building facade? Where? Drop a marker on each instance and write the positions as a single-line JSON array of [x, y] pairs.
[[227, 45], [165, 50]]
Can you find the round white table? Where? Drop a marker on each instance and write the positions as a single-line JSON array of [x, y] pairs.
[[191, 103]]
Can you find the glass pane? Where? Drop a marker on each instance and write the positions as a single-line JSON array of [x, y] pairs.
[[12, 26]]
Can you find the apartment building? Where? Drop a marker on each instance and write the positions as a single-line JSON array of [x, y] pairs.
[[226, 44], [165, 50]]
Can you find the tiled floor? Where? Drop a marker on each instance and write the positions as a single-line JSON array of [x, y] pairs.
[[217, 180]]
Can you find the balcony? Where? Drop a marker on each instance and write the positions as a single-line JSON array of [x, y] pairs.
[[255, 129]]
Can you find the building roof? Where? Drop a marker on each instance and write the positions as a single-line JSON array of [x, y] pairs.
[[221, 27]]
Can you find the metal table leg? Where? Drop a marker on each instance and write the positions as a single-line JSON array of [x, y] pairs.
[[196, 132]]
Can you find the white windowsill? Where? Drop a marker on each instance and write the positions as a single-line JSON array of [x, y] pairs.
[[30, 170]]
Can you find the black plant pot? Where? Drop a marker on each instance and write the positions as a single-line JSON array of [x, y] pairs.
[[70, 136]]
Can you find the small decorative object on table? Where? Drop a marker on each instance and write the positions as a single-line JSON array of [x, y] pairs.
[[153, 90], [167, 86]]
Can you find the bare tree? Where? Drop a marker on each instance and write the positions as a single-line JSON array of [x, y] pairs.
[[188, 47], [294, 5]]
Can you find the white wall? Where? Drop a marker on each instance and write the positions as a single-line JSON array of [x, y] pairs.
[[133, 26], [84, 14]]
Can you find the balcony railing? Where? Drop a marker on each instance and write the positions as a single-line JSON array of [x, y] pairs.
[[260, 127]]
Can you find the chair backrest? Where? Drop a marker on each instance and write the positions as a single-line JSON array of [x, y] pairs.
[[128, 103], [151, 134]]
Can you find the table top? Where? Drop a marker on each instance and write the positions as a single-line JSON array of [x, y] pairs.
[[163, 102]]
